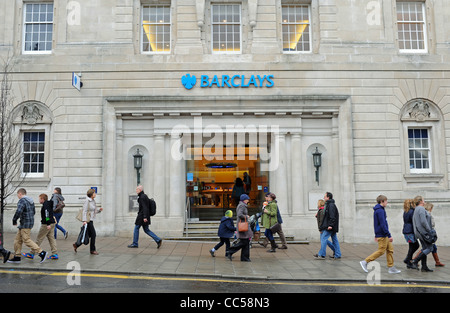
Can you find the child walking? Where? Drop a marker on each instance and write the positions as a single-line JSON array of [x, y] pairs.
[[382, 236], [226, 231], [429, 207]]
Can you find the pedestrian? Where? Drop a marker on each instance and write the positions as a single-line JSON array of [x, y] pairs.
[[90, 211], [243, 236], [382, 236], [422, 227], [429, 207], [238, 190], [25, 212], [225, 232], [270, 219], [58, 205], [319, 216], [329, 228], [47, 228], [408, 230], [143, 219]]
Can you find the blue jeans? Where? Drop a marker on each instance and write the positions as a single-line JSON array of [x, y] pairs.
[[334, 245], [147, 231], [58, 217]]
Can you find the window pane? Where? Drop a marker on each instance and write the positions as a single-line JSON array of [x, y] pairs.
[[38, 27], [419, 149], [156, 28], [296, 28], [226, 28], [411, 25]]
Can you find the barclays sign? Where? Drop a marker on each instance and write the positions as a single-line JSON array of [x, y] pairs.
[[230, 81]]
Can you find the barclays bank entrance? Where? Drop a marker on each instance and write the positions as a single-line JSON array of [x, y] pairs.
[[205, 147]]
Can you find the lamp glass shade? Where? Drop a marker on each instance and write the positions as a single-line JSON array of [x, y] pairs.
[[138, 159], [317, 158]]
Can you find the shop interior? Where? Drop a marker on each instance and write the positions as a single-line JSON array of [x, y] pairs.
[[214, 184]]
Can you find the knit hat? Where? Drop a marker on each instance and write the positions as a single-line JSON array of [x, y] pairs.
[[229, 213], [244, 197]]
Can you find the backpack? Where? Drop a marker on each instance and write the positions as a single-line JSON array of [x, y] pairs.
[[152, 206]]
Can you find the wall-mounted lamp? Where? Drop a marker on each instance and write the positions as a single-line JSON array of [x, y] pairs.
[[317, 160], [138, 164]]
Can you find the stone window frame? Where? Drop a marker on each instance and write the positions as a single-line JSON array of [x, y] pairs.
[[429, 32], [420, 113], [34, 116], [206, 27], [22, 8]]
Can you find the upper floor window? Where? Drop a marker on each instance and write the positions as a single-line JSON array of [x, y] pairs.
[[156, 28], [412, 33], [226, 28], [296, 28], [38, 28]]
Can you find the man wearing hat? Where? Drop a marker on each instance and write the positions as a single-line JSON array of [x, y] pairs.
[[226, 231]]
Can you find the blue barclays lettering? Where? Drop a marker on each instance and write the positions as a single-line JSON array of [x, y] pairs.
[[235, 81]]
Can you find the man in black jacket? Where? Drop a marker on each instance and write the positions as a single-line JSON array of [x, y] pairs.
[[329, 228], [143, 219]]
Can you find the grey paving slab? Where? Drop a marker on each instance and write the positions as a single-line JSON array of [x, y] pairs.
[[183, 258]]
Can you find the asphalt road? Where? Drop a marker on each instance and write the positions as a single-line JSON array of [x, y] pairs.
[[61, 282]]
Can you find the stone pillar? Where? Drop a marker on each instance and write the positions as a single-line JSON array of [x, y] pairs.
[[296, 187], [159, 177], [176, 179], [280, 189]]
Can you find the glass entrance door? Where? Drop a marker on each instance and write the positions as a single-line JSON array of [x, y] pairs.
[[214, 186]]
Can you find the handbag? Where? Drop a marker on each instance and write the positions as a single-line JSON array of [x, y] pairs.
[[429, 237], [80, 216], [243, 225], [275, 228], [59, 207]]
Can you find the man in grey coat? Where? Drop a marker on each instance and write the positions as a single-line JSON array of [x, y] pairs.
[[422, 225]]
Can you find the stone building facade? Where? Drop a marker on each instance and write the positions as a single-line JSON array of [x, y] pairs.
[[365, 82]]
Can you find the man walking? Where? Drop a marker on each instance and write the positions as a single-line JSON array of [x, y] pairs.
[[143, 219], [25, 212], [329, 228], [382, 236]]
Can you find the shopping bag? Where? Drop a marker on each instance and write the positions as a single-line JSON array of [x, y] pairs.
[[83, 236]]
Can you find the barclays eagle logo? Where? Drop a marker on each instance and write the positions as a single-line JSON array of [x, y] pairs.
[[188, 81]]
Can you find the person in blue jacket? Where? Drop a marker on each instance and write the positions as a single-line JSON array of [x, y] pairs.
[[226, 231], [382, 236]]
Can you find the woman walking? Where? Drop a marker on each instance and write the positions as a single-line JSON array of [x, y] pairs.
[[408, 231], [243, 236], [58, 205], [269, 219], [89, 213]]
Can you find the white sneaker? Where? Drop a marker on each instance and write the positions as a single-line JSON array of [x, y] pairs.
[[393, 270], [364, 266]]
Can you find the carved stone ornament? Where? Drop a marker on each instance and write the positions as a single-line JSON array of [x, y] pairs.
[[420, 110], [31, 114]]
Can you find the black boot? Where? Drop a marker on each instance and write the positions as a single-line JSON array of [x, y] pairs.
[[416, 260], [273, 246], [424, 265], [5, 254]]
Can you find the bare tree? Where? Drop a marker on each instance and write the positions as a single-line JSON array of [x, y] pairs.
[[10, 143]]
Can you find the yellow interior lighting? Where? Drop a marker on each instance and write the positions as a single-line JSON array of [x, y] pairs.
[[291, 44], [150, 32]]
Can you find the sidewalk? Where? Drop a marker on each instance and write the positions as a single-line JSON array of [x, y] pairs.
[[192, 259]]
